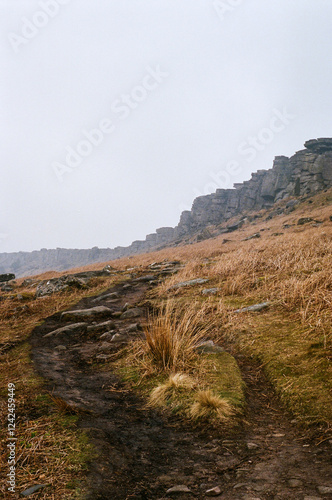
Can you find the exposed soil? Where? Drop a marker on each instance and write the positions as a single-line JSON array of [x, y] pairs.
[[142, 453]]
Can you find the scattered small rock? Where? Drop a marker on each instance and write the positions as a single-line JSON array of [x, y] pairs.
[[132, 313], [102, 357], [325, 490], [295, 483], [118, 337], [304, 220], [252, 446], [256, 307], [60, 348], [210, 291], [197, 281], [33, 489], [102, 327], [180, 488], [213, 492], [253, 236]]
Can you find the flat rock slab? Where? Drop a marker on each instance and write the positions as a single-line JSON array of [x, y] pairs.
[[132, 313], [198, 281], [90, 314], [74, 328], [256, 307], [108, 296], [102, 327], [210, 291]]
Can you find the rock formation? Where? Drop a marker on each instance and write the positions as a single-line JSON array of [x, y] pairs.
[[307, 172]]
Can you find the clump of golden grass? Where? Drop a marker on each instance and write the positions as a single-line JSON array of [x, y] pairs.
[[208, 405], [175, 383], [173, 333]]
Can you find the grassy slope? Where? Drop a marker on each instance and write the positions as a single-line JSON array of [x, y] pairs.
[[292, 340]]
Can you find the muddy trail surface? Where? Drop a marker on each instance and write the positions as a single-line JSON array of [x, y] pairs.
[[145, 455]]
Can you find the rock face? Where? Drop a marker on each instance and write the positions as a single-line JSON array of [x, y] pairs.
[[305, 173]]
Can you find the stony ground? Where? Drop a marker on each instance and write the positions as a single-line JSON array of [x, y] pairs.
[[144, 455]]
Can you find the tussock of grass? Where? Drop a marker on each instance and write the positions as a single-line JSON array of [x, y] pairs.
[[173, 333], [174, 385], [208, 405]]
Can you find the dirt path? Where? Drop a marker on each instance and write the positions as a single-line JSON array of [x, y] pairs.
[[142, 455]]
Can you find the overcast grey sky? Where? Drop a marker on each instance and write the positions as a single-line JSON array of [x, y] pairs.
[[116, 114]]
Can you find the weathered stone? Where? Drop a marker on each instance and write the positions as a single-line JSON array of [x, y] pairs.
[[89, 314], [198, 281], [6, 277], [213, 492], [132, 313], [33, 489], [208, 347], [56, 285], [108, 296], [304, 220], [295, 483], [210, 291], [325, 490], [69, 329], [118, 337], [256, 307], [179, 489], [252, 237], [102, 327]]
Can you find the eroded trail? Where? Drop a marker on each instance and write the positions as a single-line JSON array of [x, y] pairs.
[[141, 453]]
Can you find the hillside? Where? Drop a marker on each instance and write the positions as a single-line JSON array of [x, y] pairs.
[[306, 173], [205, 371]]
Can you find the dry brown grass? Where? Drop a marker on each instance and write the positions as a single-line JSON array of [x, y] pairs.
[[173, 333], [208, 406], [175, 383]]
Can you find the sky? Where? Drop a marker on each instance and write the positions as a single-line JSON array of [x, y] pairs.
[[116, 114]]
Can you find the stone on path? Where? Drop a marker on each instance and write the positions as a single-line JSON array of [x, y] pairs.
[[74, 328], [132, 313], [180, 488], [213, 492], [93, 313], [100, 327]]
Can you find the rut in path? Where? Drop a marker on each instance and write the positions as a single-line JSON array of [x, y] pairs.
[[142, 453]]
